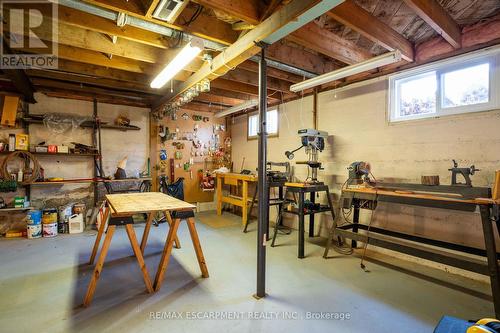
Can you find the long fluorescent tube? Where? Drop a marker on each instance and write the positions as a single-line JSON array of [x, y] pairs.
[[184, 57], [379, 61], [248, 104]]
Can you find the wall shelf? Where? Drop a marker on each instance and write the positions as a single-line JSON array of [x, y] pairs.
[[89, 125], [15, 209], [50, 154]]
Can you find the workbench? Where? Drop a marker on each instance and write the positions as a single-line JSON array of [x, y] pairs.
[[238, 180], [444, 197], [119, 209]]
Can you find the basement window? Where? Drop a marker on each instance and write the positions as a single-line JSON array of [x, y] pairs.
[[272, 124], [463, 84]]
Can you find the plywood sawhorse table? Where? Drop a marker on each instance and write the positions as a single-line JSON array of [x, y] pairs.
[[235, 179], [120, 209]]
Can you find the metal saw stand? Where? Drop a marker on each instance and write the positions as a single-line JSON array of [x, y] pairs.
[[302, 189]]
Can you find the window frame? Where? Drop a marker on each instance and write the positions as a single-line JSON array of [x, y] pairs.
[[256, 113], [489, 55]]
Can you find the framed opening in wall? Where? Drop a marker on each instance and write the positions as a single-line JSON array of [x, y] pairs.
[[272, 124]]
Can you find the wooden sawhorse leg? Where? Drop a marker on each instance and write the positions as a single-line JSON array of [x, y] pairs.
[[147, 229], [145, 234], [100, 232], [98, 267], [165, 258], [138, 255], [177, 243]]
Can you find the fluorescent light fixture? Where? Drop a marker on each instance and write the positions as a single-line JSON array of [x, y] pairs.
[[248, 104], [379, 61], [184, 57]]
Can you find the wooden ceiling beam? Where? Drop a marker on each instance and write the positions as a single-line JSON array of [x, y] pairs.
[[80, 95], [50, 83], [205, 26], [245, 47], [101, 71], [356, 18], [96, 81], [211, 97], [271, 72], [241, 75], [300, 58], [245, 10], [240, 87], [229, 94], [201, 107], [329, 44], [438, 18]]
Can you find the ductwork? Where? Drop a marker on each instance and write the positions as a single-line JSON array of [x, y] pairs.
[[133, 21]]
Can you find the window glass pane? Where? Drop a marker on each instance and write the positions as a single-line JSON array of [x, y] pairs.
[[272, 122], [417, 95], [253, 122], [466, 86]]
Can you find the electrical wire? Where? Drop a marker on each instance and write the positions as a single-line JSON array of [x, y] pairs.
[[26, 156], [365, 245]]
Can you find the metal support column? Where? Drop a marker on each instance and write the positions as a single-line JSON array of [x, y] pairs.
[[262, 184]]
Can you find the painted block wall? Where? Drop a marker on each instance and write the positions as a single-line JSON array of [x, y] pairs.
[[356, 119], [115, 146]]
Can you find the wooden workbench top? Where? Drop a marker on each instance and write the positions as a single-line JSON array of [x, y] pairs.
[[421, 195], [134, 203], [239, 176]]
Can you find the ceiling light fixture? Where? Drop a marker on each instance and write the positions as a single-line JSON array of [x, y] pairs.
[[184, 57], [379, 61]]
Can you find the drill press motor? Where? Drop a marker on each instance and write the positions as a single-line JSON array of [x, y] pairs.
[[313, 141]]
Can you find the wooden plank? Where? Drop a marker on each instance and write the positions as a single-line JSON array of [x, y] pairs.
[[197, 247], [138, 254], [96, 81], [439, 19], [238, 176], [89, 89], [300, 58], [132, 203], [83, 96], [9, 110], [244, 76], [411, 195], [244, 47], [484, 32], [165, 257], [496, 186], [356, 18], [205, 26], [98, 268], [214, 98], [240, 87], [329, 44], [245, 10], [100, 232]]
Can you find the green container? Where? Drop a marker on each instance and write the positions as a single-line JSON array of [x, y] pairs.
[[18, 202]]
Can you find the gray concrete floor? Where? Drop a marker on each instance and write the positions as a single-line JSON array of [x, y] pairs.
[[42, 283]]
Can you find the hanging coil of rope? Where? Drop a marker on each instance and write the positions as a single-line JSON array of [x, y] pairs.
[[32, 160]]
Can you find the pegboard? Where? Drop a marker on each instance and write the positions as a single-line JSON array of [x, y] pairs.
[[184, 127]]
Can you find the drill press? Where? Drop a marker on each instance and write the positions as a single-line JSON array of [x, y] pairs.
[[313, 141]]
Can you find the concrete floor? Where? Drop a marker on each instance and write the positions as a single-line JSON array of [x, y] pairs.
[[42, 283]]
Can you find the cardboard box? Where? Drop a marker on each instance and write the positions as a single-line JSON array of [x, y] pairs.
[[63, 149], [22, 142]]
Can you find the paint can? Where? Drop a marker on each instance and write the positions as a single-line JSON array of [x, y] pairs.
[[49, 216], [64, 213], [34, 231], [34, 217], [50, 229]]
